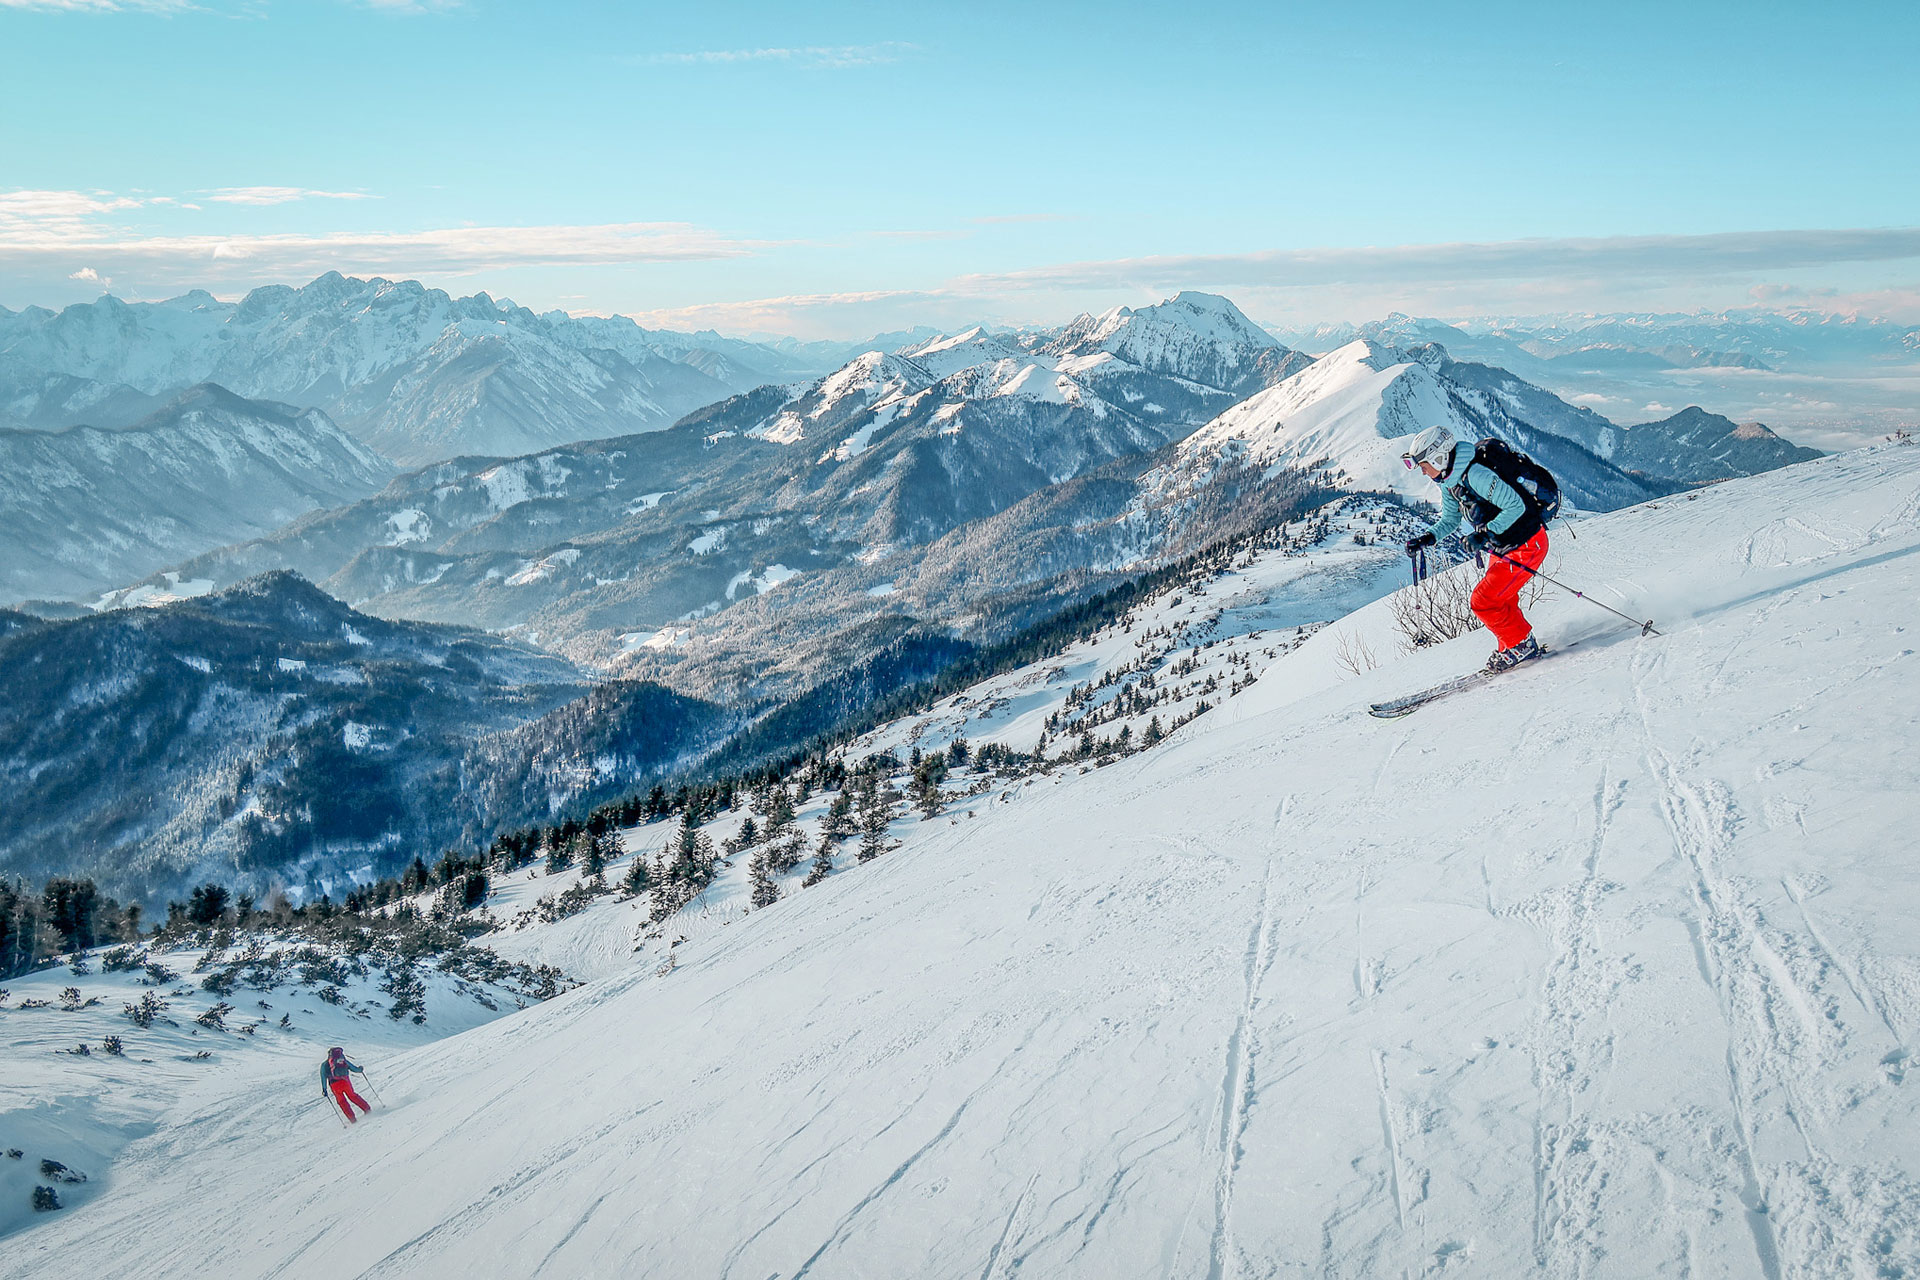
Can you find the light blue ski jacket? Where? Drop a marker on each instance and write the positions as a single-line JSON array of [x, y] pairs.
[[1482, 482]]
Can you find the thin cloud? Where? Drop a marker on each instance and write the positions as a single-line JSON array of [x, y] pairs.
[[31, 207], [1598, 258], [455, 250], [767, 314], [279, 195], [831, 57]]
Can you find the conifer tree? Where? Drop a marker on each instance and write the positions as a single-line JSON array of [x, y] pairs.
[[779, 810], [637, 877], [837, 825], [876, 813], [786, 855], [822, 862], [593, 859], [691, 853], [765, 891]]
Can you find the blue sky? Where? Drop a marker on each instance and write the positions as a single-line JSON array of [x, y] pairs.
[[836, 168]]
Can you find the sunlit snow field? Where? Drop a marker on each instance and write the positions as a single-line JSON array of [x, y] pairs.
[[1609, 968]]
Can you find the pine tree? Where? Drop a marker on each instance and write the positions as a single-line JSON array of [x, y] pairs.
[[838, 823], [822, 862], [637, 878], [691, 861], [593, 855], [876, 814], [779, 810], [765, 891], [786, 855]]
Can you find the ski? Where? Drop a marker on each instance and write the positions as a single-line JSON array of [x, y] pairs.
[[1394, 708]]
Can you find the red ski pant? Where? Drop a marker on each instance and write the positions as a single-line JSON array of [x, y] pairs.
[[1496, 601], [343, 1094]]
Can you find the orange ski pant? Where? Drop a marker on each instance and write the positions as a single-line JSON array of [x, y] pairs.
[[1496, 601], [343, 1094]]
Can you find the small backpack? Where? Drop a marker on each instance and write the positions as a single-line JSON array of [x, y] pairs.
[[1533, 482]]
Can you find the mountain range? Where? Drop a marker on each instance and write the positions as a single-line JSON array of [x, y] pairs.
[[1831, 380], [784, 557], [828, 492], [408, 370], [85, 509], [973, 480]]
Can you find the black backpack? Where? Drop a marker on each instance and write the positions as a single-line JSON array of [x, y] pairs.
[[1533, 482]]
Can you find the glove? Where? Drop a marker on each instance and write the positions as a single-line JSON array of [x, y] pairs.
[[1478, 541], [1416, 545]]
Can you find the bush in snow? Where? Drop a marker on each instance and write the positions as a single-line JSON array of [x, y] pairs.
[[786, 855], [111, 1046], [215, 1018], [45, 1200], [1437, 608], [60, 1173], [408, 992], [143, 1013], [158, 975], [123, 959]]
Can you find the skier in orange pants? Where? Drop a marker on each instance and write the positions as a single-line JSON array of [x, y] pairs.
[[1505, 522], [336, 1074]]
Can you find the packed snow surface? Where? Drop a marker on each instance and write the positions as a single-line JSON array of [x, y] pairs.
[[1610, 968]]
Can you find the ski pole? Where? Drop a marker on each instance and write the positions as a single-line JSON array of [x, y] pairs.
[[1420, 566], [1646, 628], [327, 1102], [375, 1092]]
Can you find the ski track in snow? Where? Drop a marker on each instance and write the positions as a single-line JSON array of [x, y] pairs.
[[1607, 969]]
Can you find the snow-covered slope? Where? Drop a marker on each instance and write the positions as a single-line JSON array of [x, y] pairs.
[[85, 509], [1610, 968]]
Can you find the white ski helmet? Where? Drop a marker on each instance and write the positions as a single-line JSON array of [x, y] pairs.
[[1434, 446]]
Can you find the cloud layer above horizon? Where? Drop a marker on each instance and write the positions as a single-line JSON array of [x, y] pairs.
[[53, 243]]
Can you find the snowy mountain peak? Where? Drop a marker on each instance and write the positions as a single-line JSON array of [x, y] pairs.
[[1350, 413], [1349, 410], [1201, 337]]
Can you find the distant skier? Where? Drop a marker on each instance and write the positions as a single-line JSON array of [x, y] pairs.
[[336, 1074], [1504, 520]]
